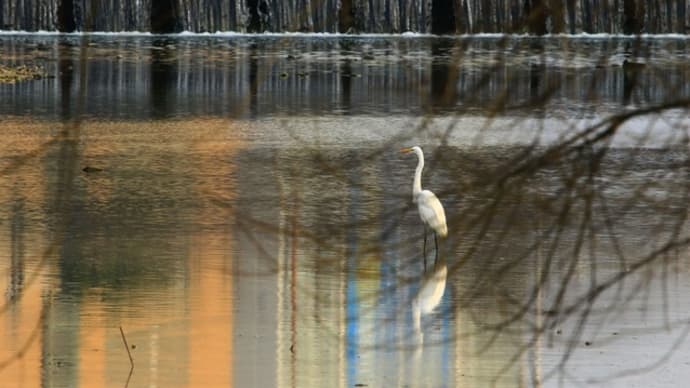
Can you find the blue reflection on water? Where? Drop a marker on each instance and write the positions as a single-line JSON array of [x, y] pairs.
[[352, 300]]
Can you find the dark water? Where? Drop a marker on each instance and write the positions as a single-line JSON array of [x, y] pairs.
[[140, 77], [246, 228]]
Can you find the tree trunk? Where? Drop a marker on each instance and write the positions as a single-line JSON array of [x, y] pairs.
[[681, 28], [257, 9], [65, 12], [556, 8], [442, 17], [164, 17], [535, 12], [631, 22], [345, 16]]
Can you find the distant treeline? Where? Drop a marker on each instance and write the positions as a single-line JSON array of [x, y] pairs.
[[371, 16]]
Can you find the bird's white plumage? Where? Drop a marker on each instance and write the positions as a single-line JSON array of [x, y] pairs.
[[430, 208], [431, 212]]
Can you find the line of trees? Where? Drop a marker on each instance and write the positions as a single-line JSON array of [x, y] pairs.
[[374, 16]]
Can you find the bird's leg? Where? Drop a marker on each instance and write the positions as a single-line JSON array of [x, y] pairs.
[[436, 244], [424, 249]]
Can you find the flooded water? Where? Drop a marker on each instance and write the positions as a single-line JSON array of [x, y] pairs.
[[238, 207]]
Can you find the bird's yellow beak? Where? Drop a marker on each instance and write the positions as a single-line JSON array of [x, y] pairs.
[[405, 150]]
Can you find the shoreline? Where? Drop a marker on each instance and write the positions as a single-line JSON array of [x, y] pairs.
[[339, 35]]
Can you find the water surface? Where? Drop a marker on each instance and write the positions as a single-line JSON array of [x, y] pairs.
[[251, 226]]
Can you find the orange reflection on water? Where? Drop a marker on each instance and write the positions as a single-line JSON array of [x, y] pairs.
[[179, 329], [20, 333], [92, 343], [211, 320], [210, 296], [24, 261]]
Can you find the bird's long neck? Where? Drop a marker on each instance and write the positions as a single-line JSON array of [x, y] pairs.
[[417, 185]]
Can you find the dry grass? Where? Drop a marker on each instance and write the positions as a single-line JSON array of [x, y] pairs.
[[13, 74]]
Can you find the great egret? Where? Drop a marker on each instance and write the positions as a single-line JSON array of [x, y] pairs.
[[430, 209]]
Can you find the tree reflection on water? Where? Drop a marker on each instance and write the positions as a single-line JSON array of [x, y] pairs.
[[288, 236]]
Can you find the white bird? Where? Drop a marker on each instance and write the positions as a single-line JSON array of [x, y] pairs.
[[430, 208]]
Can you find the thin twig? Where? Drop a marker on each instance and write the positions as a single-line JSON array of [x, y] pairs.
[[131, 361]]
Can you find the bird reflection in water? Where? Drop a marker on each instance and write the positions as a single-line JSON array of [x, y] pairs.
[[428, 297]]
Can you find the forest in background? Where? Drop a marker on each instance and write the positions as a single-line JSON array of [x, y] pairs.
[[354, 16]]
